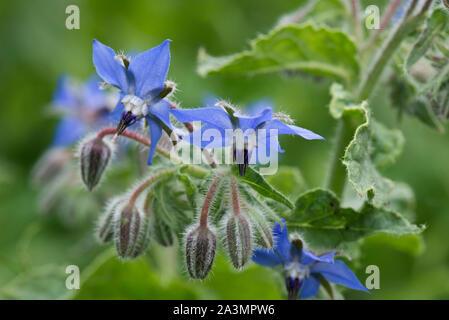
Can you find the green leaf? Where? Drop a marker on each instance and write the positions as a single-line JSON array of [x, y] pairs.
[[436, 23], [341, 101], [289, 181], [402, 199], [325, 225], [361, 168], [256, 181], [372, 146], [387, 144], [318, 50]]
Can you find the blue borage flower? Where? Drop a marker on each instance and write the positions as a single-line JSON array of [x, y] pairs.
[[304, 271], [224, 118], [84, 107], [141, 83]]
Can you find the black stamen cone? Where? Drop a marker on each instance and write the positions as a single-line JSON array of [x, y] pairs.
[[127, 119]]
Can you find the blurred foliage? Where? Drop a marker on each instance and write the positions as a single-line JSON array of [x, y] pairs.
[[35, 250]]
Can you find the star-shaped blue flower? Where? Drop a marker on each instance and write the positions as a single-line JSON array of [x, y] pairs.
[[84, 108], [141, 82], [223, 119], [303, 269]]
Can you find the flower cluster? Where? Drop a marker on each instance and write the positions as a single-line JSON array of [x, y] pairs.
[[214, 208]]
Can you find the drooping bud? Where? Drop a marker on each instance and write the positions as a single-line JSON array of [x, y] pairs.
[[143, 237], [262, 231], [94, 155], [161, 231], [239, 241], [128, 230], [201, 246], [106, 224]]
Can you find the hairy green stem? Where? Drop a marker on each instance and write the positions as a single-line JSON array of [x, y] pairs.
[[384, 55], [336, 176]]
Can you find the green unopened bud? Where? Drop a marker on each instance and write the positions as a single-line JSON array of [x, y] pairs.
[[239, 241], [94, 156], [106, 224], [262, 231], [162, 233], [201, 246], [143, 238], [161, 230], [127, 226]]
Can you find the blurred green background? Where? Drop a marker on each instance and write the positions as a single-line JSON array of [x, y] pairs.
[[37, 47]]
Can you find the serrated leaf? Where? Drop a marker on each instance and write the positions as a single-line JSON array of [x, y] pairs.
[[361, 169], [256, 181], [324, 224], [341, 101], [317, 50], [371, 147], [436, 23], [387, 144]]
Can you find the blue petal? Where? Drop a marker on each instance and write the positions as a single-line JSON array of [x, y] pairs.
[[308, 257], [282, 244], [150, 70], [214, 116], [116, 114], [161, 110], [310, 287], [107, 66], [208, 137], [338, 273], [155, 135], [251, 122], [257, 106], [289, 129], [265, 257], [65, 94], [68, 131]]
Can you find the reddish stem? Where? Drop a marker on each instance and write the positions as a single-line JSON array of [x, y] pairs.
[[235, 197], [126, 133], [134, 136], [209, 199], [146, 184]]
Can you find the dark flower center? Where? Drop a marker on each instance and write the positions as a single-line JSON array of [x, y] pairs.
[[293, 285]]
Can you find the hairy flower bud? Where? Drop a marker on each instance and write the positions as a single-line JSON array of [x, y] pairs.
[[106, 224], [262, 231], [161, 230], [201, 246], [95, 155], [131, 231], [162, 233], [239, 242]]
